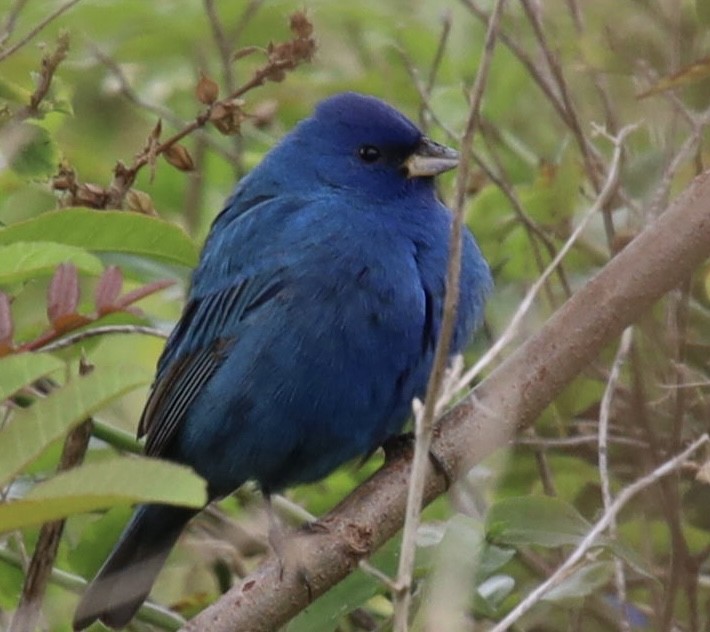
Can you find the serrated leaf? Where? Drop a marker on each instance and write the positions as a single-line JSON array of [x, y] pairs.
[[107, 231], [19, 370], [538, 520], [582, 582], [26, 260], [118, 481], [37, 155], [32, 429]]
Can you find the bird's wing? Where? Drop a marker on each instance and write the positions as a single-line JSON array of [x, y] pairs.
[[195, 350]]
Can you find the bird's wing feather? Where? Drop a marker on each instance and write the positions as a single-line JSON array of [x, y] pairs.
[[225, 289], [195, 350]]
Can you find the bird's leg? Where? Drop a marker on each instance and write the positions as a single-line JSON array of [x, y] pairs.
[[403, 444], [277, 534], [285, 548]]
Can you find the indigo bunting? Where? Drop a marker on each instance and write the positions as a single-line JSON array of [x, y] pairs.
[[310, 324]]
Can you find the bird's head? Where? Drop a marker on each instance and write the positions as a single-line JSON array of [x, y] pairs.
[[363, 145]]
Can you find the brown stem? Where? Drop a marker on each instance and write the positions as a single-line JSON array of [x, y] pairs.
[[28, 611]]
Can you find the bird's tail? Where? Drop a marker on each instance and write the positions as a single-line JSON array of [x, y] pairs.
[[124, 581]]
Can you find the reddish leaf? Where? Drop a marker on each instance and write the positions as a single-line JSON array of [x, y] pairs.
[[135, 295], [69, 322], [63, 294], [108, 290], [6, 326]]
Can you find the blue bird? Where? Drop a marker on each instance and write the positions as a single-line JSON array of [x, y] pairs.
[[310, 324]]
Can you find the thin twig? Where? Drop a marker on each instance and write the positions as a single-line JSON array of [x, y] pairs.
[[424, 111], [553, 63], [50, 63], [604, 414], [249, 12], [125, 88], [590, 540], [531, 228], [660, 196], [224, 48], [282, 58], [12, 15], [527, 61], [424, 96], [425, 423], [68, 341], [573, 442], [52, 16], [511, 331]]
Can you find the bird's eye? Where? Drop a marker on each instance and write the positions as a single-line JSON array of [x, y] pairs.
[[368, 153]]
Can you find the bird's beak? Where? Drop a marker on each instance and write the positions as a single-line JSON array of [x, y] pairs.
[[430, 159]]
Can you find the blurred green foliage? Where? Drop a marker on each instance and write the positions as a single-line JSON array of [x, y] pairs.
[[132, 62]]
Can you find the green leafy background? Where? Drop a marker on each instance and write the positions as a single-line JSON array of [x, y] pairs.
[[512, 521]]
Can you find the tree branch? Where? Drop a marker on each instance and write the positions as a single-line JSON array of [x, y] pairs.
[[512, 397]]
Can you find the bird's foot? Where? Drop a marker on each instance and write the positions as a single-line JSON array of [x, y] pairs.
[[403, 445], [399, 445], [287, 550]]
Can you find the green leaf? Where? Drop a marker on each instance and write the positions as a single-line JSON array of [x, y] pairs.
[[37, 155], [492, 559], [14, 92], [550, 522], [32, 429], [24, 260], [107, 231], [97, 539], [632, 558], [118, 481], [19, 370], [539, 520], [494, 590], [582, 581]]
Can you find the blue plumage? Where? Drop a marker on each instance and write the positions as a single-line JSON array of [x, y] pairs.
[[310, 324]]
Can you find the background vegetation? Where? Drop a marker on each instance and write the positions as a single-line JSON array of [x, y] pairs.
[[87, 90]]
